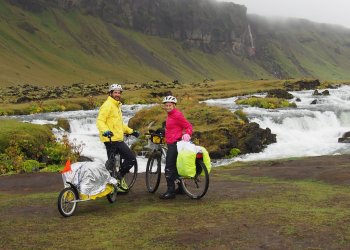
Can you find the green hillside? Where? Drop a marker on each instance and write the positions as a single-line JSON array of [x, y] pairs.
[[302, 48], [58, 46]]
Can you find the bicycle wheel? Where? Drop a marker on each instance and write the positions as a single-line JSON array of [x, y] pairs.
[[130, 177], [112, 197], [153, 171], [197, 186], [66, 206]]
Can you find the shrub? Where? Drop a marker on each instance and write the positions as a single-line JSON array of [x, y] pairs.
[[15, 156], [52, 168], [234, 152], [30, 166], [5, 164], [59, 152]]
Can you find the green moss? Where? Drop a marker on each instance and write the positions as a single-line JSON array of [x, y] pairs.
[[24, 145], [26, 134], [266, 103]]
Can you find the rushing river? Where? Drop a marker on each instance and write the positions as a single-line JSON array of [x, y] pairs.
[[83, 129], [308, 130]]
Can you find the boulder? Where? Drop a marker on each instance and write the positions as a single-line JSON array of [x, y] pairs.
[[345, 138], [302, 85], [256, 138], [23, 99], [326, 92], [279, 93], [316, 92]]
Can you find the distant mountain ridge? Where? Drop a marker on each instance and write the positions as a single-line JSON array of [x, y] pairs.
[[65, 41]]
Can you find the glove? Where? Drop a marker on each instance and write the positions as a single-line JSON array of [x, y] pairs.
[[135, 133], [108, 134], [160, 131], [186, 137]]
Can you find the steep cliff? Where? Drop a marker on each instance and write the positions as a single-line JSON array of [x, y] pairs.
[[63, 41], [205, 24]]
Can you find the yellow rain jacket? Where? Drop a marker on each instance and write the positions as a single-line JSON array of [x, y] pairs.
[[110, 118]]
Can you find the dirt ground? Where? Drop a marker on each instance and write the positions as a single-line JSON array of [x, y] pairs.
[[330, 169]]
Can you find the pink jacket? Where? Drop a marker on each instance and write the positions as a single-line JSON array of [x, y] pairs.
[[176, 126]]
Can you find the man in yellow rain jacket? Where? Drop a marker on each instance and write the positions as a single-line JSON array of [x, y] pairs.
[[112, 129]]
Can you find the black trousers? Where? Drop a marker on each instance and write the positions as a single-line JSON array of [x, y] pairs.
[[170, 166], [129, 158]]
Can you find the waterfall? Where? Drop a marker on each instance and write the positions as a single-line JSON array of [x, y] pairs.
[[83, 130], [308, 130], [250, 37]]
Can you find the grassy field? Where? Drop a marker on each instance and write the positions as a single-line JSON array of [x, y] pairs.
[[151, 92], [245, 208]]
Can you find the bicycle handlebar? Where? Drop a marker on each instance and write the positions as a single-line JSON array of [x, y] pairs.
[[110, 136], [155, 134]]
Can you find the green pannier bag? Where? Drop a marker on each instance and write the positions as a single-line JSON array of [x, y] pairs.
[[186, 159], [206, 159]]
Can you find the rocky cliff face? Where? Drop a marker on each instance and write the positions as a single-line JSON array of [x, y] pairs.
[[206, 24]]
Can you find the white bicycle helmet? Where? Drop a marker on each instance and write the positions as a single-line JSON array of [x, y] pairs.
[[170, 98], [115, 87]]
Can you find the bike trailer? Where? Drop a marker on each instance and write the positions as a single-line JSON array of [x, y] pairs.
[[91, 179]]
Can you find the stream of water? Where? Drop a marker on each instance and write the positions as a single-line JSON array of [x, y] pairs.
[[308, 130]]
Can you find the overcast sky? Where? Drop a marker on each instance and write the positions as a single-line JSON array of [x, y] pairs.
[[321, 11]]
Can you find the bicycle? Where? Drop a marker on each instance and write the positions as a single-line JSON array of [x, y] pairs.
[[194, 187], [113, 165]]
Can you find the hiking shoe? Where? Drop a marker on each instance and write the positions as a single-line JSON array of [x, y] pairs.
[[167, 195], [179, 190], [122, 186]]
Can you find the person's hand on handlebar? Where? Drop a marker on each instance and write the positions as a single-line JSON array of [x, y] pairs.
[[135, 133], [108, 134]]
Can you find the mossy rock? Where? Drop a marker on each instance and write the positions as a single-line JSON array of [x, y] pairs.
[[266, 103], [217, 129], [28, 136], [307, 84], [279, 93]]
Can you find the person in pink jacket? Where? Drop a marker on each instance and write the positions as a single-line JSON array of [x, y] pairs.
[[176, 128]]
